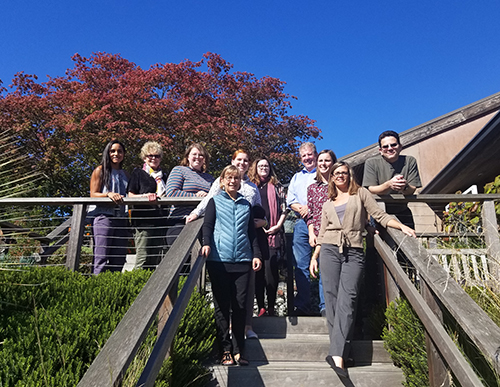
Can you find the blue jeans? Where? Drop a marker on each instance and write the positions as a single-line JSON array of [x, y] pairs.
[[302, 257]]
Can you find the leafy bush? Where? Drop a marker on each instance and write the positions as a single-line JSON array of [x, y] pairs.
[[192, 345], [466, 216], [53, 323], [405, 341]]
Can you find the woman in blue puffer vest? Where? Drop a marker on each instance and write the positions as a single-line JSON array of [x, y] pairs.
[[232, 251]]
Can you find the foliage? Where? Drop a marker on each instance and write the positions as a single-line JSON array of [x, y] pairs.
[[466, 216], [405, 341], [64, 123], [193, 344], [53, 323]]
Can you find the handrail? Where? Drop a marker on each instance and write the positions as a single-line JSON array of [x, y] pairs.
[[436, 198], [110, 365], [455, 360], [481, 330]]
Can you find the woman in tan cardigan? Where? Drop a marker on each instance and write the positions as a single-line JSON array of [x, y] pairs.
[[340, 251]]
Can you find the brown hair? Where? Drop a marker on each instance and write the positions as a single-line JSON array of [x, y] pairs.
[[318, 177], [203, 151], [353, 186], [254, 176], [229, 170]]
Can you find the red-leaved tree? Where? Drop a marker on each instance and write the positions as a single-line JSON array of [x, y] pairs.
[[64, 123]]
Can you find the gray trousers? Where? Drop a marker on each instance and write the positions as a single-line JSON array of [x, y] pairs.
[[341, 275]]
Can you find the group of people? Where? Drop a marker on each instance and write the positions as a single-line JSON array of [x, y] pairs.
[[154, 226], [333, 211], [242, 235]]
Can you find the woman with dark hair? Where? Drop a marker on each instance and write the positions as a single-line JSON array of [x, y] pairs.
[[109, 227], [232, 254], [149, 221], [339, 248], [187, 180], [272, 195], [317, 193]]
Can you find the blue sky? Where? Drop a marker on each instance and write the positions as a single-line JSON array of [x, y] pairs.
[[357, 67]]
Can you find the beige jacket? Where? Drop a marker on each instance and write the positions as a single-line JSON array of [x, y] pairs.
[[349, 233]]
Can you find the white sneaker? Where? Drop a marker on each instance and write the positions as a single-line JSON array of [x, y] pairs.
[[251, 334]]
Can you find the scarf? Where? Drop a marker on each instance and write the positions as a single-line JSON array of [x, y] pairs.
[[274, 242], [161, 188]]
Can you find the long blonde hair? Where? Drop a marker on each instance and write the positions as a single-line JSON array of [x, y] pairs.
[[332, 188]]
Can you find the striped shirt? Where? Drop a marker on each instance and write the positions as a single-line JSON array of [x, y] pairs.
[[186, 182]]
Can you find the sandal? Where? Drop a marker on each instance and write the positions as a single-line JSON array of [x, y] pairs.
[[227, 359], [241, 361]]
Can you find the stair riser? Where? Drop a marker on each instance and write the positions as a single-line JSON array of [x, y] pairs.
[[281, 350]]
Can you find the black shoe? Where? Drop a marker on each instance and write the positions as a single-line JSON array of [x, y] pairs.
[[339, 371], [323, 312]]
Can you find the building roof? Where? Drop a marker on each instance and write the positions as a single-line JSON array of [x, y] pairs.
[[477, 163]]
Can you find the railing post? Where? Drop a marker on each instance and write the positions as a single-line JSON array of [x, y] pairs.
[[490, 227], [438, 373], [195, 252], [74, 248]]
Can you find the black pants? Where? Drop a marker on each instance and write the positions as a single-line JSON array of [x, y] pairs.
[[229, 289], [266, 280]]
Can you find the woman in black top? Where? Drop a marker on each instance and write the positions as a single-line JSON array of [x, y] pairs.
[[149, 221]]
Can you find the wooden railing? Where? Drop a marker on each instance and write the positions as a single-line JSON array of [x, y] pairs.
[[157, 298], [441, 295]]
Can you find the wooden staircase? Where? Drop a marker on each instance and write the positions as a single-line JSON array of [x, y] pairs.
[[290, 352]]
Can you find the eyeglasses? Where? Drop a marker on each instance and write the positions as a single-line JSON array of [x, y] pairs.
[[153, 156], [394, 145], [338, 174], [263, 166]]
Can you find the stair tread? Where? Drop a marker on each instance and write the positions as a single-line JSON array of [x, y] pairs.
[[279, 374]]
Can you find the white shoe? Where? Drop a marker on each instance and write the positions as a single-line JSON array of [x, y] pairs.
[[251, 334]]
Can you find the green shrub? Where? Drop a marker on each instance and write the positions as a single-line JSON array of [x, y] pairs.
[[405, 341], [192, 345], [53, 323]]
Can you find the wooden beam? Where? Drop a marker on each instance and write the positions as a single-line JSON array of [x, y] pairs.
[[490, 227], [431, 128], [447, 348], [482, 331], [74, 248], [111, 363], [166, 337]]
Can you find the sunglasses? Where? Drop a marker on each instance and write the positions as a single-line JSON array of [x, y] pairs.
[[394, 145], [153, 156]]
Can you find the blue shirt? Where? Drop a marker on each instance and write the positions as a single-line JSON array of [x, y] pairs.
[[297, 190]]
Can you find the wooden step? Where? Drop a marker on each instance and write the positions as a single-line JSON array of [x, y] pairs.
[[291, 351], [304, 374]]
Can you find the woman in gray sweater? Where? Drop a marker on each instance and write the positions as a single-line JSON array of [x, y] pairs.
[[340, 251]]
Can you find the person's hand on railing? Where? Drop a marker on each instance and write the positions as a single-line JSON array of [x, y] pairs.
[[152, 197], [201, 194], [256, 264], [116, 197], [408, 231], [191, 217], [205, 251]]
